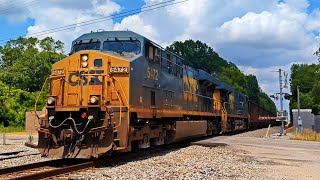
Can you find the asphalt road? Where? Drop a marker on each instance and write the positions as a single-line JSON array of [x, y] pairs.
[[287, 159]]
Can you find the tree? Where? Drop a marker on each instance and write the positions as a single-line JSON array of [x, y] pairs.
[[199, 55], [253, 88], [308, 78], [24, 65], [235, 78], [26, 62]]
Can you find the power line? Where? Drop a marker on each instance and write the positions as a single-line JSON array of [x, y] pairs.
[[97, 20], [19, 5], [7, 2], [101, 18]]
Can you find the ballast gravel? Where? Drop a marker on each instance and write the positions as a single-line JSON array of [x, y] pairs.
[[193, 162], [20, 160]]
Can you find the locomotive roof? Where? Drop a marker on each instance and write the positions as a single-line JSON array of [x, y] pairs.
[[104, 35], [224, 86], [203, 75]]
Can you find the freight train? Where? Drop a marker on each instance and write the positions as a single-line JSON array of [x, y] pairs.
[[119, 91]]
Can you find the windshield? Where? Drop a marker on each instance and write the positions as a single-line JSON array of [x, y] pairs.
[[122, 46], [86, 46]]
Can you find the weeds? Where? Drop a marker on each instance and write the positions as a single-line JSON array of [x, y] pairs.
[[307, 135], [11, 129]]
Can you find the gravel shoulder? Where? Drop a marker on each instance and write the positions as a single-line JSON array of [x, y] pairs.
[[283, 158]]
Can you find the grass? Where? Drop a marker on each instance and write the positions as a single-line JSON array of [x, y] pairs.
[[307, 135], [11, 129]]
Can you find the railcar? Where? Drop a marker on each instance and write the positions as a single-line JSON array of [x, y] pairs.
[[119, 91]]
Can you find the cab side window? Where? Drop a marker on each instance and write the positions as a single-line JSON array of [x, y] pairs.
[[168, 63], [157, 55], [152, 53]]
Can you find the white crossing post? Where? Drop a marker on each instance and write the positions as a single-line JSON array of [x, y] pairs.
[[4, 138], [268, 130]]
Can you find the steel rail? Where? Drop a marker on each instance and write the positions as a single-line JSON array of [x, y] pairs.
[[10, 153], [60, 166], [58, 171], [14, 169], [12, 157]]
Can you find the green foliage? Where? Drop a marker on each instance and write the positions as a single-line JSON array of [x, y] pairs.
[[201, 56], [26, 62], [308, 78], [266, 102], [235, 78], [253, 89], [11, 129], [24, 65], [14, 104]]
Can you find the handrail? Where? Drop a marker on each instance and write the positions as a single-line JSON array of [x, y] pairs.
[[120, 118], [35, 105], [125, 97]]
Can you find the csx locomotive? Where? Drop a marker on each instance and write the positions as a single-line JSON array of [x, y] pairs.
[[119, 91]]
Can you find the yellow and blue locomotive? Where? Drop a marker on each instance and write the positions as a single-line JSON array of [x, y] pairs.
[[118, 91]]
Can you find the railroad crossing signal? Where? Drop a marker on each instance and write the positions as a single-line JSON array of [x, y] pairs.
[[287, 96]]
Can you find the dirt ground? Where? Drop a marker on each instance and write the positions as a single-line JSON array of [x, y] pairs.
[[284, 158], [287, 159]]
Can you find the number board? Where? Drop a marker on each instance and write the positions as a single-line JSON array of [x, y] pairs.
[[119, 69]]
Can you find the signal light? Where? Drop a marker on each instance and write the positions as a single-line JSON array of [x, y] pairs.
[[94, 100], [274, 97], [84, 64], [84, 60], [50, 101], [287, 96]]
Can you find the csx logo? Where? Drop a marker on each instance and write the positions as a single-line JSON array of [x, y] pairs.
[[75, 78]]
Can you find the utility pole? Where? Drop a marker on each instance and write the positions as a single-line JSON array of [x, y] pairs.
[[281, 104], [299, 117]]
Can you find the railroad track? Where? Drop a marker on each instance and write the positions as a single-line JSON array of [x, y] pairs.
[[23, 155], [64, 167], [45, 169], [10, 153], [61, 168]]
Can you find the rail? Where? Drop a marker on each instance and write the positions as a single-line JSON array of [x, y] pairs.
[[56, 167], [18, 156]]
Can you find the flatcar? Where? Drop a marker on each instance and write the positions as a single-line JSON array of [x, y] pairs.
[[119, 91]]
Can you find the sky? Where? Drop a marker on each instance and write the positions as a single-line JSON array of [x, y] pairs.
[[259, 36]]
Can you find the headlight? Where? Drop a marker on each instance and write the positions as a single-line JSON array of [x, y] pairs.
[[94, 99], [84, 58], [84, 64], [50, 101]]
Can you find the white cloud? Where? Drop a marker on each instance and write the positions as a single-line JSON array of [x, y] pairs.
[[61, 13], [257, 35], [15, 11]]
